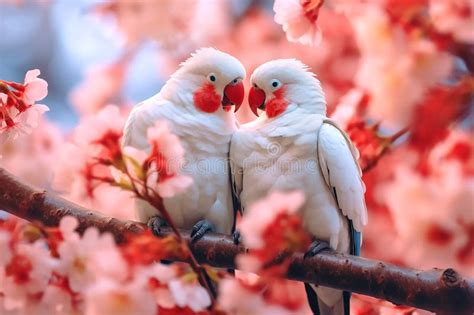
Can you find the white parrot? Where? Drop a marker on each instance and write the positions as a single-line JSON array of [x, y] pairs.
[[196, 101], [294, 146]]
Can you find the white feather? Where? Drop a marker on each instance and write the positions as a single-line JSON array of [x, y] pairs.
[[338, 162], [302, 150], [205, 138]]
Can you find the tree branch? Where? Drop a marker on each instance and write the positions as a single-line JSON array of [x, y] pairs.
[[440, 291]]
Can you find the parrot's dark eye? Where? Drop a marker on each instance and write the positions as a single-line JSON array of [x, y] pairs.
[[212, 78], [275, 83], [235, 81]]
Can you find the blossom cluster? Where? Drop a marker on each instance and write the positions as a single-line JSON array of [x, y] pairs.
[[18, 111], [66, 273], [272, 230]]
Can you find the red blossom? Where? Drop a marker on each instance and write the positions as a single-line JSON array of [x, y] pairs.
[[283, 236], [18, 111], [145, 249], [438, 235], [464, 153], [88, 172], [442, 107], [19, 269], [370, 141], [284, 293], [157, 158], [466, 253], [111, 149], [311, 9]]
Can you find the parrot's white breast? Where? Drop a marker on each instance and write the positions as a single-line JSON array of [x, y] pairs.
[[287, 163], [205, 139]]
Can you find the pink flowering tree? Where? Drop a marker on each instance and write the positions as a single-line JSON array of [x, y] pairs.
[[398, 76]]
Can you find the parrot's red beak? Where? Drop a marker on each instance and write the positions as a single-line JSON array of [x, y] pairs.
[[233, 95], [256, 99]]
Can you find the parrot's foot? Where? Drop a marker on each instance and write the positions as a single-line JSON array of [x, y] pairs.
[[155, 224], [236, 237], [201, 228], [316, 247]]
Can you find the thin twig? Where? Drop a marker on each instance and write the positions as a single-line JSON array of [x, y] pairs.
[[157, 202]]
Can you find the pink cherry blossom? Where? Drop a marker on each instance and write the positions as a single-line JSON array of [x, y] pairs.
[[85, 259], [77, 169], [457, 147], [22, 122], [395, 70], [438, 209], [67, 227], [346, 109], [167, 156], [259, 229], [18, 112], [92, 128], [108, 296], [5, 249], [35, 88], [262, 213], [101, 86], [192, 295], [70, 174], [54, 301], [72, 179], [163, 274], [169, 22], [298, 18], [168, 144], [273, 297], [28, 273], [455, 17], [30, 156]]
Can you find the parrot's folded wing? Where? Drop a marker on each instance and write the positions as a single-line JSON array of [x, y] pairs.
[[236, 206], [142, 116], [135, 130], [338, 161], [236, 170]]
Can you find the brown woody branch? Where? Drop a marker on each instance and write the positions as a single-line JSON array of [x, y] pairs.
[[440, 291]]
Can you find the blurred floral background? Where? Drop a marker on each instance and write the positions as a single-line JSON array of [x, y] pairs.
[[398, 75]]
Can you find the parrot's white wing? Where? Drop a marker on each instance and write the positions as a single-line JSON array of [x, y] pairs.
[[338, 161], [135, 130], [143, 116]]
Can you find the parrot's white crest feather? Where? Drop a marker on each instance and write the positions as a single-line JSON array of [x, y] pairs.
[[205, 138], [205, 59], [193, 73], [303, 89]]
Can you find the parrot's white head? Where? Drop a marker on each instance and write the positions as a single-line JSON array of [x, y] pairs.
[[283, 85], [213, 77]]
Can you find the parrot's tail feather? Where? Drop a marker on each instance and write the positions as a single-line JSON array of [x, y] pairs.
[[312, 299], [342, 307], [346, 296]]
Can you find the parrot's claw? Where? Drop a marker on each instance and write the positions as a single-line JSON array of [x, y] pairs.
[[155, 224], [201, 228], [236, 237], [316, 247]]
